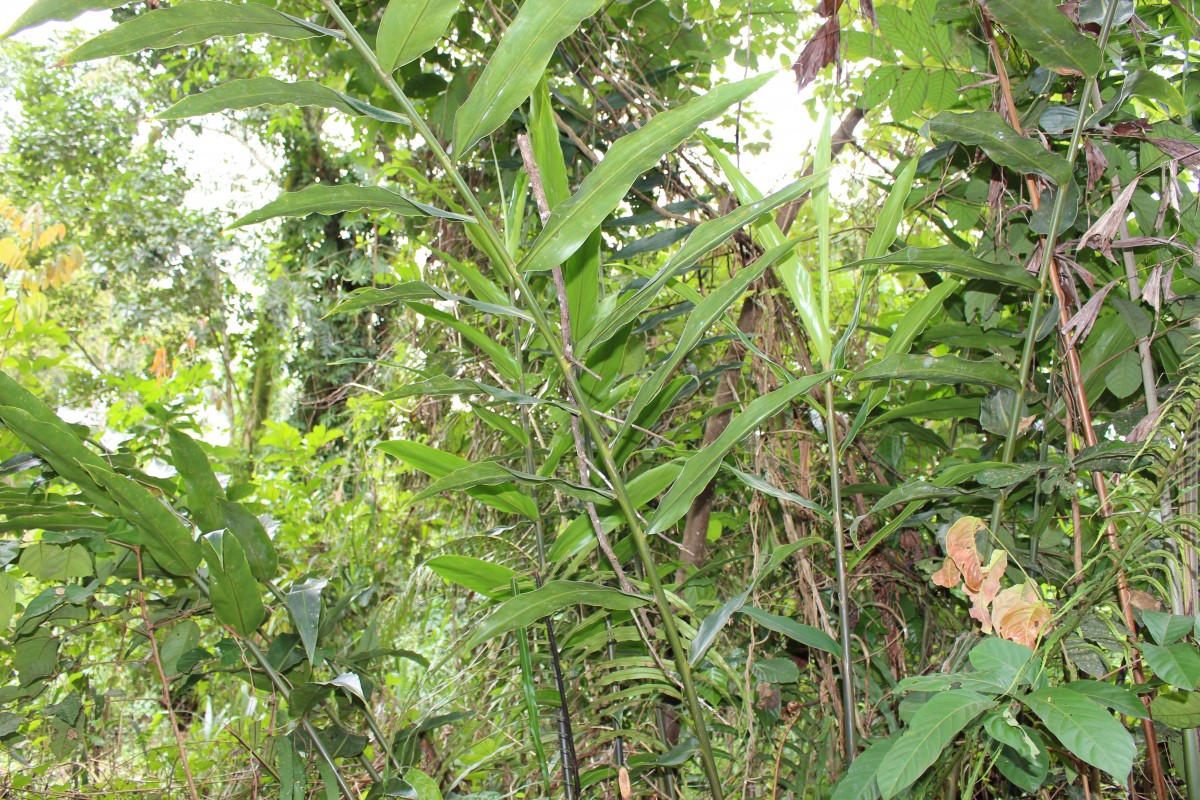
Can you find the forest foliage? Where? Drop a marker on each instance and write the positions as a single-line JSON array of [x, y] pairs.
[[522, 446]]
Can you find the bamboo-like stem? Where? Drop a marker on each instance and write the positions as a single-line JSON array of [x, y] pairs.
[[590, 421]]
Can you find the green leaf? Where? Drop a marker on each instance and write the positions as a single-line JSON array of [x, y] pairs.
[[712, 625], [762, 485], [700, 467], [425, 787], [804, 634], [190, 23], [262, 91], [328, 200], [1167, 628], [59, 564], [1003, 145], [489, 473], [525, 609], [1006, 660], [775, 670], [1117, 698], [927, 736], [892, 212], [502, 357], [199, 482], [1179, 710], [484, 577], [8, 599], [938, 369], [252, 536], [703, 239], [409, 29], [859, 781], [516, 66], [699, 320], [1048, 35], [304, 603], [231, 587], [371, 296], [1178, 665], [792, 272], [952, 260], [1084, 728], [437, 464], [606, 185], [1147, 84], [44, 11]]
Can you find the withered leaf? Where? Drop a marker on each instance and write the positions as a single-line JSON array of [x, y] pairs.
[[1019, 614], [1081, 323], [1178, 149], [821, 51]]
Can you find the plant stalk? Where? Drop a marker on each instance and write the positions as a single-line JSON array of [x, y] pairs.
[[589, 418]]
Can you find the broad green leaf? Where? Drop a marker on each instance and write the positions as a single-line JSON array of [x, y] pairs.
[[426, 788], [328, 200], [409, 28], [712, 625], [606, 185], [775, 670], [190, 23], [199, 482], [892, 212], [1117, 698], [437, 464], [953, 260], [371, 296], [700, 467], [1178, 665], [938, 369], [699, 320], [1144, 83], [941, 408], [484, 577], [59, 564], [263, 91], [1085, 728], [1048, 35], [231, 588], [525, 609], [304, 603], [1167, 628], [547, 150], [8, 599], [252, 536], [1179, 710], [703, 239], [516, 66], [792, 271], [797, 632], [927, 736], [1003, 145], [858, 783], [43, 11], [489, 473], [1007, 660]]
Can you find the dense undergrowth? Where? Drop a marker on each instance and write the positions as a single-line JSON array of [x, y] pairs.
[[524, 447]]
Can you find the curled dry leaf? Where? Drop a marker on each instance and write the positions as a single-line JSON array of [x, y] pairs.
[[1020, 614], [1077, 326], [821, 51], [1144, 600], [1107, 227], [980, 583], [1179, 149]]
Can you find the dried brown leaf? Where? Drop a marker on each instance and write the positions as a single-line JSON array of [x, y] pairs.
[[1020, 615], [821, 51], [1081, 323], [1179, 149], [1107, 227]]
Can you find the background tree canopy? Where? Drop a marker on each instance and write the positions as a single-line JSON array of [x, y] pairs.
[[528, 437]]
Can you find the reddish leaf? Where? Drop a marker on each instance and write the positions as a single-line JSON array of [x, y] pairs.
[[821, 51]]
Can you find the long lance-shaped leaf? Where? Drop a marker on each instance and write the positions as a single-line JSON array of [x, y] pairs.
[[488, 473], [231, 587], [804, 634], [409, 28], [191, 23], [490, 580], [931, 730], [325, 199], [1086, 729], [254, 92], [605, 186], [1046, 33], [199, 482], [939, 369], [438, 463], [409, 291], [792, 273], [952, 260], [443, 386], [703, 240], [698, 321], [44, 11], [517, 65], [1003, 145], [525, 609], [700, 468], [503, 358]]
